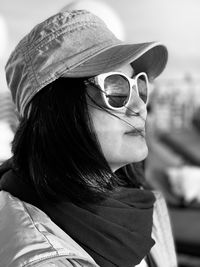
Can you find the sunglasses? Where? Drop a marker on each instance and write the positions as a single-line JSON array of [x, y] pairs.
[[116, 88]]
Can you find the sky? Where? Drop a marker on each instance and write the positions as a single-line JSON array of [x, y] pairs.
[[176, 23]]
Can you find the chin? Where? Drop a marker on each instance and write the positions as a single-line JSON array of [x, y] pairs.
[[139, 155], [131, 157]]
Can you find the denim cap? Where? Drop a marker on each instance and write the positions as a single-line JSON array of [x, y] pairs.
[[74, 44]]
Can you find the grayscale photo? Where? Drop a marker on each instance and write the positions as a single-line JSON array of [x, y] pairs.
[[100, 133]]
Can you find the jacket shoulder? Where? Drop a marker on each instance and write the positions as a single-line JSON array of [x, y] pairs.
[[29, 238]]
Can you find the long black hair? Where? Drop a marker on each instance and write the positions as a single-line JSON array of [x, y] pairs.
[[56, 150]]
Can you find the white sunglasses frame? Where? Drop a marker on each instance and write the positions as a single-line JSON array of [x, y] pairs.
[[99, 81]]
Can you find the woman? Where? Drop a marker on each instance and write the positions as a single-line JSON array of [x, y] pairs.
[[70, 194]]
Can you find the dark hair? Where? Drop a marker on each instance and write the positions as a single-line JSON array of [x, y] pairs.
[[56, 149]]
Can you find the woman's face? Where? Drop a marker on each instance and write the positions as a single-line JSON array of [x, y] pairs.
[[119, 141]]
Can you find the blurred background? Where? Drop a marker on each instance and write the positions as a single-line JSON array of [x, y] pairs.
[[173, 126]]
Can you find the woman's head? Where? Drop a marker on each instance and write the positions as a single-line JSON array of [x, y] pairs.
[[67, 129], [69, 142]]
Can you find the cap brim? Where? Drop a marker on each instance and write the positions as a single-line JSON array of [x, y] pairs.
[[145, 57]]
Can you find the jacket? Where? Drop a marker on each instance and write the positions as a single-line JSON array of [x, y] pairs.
[[28, 238]]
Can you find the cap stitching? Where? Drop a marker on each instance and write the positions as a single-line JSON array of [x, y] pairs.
[[60, 32]]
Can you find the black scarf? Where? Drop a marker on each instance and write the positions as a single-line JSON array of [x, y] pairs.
[[116, 232]]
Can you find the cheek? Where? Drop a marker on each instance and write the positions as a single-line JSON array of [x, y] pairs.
[[108, 130], [106, 126]]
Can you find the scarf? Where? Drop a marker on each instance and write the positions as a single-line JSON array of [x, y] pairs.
[[116, 232]]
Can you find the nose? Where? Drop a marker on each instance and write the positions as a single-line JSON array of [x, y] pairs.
[[136, 106]]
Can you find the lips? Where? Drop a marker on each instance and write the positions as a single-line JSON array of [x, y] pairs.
[[136, 131]]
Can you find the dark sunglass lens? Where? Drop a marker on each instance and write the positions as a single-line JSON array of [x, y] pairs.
[[142, 87], [117, 90]]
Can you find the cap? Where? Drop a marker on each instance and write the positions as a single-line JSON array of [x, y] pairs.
[[74, 44]]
